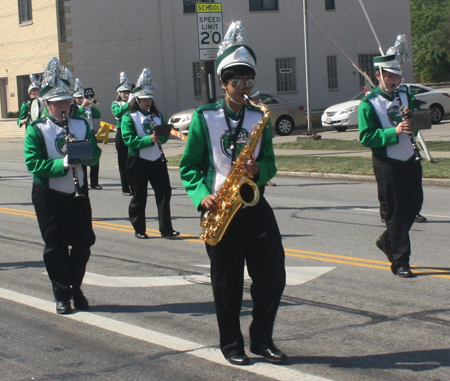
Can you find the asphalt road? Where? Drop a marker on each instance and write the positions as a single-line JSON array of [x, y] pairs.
[[343, 316]]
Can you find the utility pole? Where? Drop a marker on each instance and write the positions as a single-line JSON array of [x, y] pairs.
[[208, 77], [305, 34]]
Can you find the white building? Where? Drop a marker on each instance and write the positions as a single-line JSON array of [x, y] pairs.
[[105, 37]]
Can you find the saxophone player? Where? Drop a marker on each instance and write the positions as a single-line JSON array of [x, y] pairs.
[[217, 134]]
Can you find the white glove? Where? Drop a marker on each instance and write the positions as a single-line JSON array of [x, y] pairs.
[[66, 162], [131, 99]]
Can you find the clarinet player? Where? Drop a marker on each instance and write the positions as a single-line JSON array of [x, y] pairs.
[[146, 162], [397, 170], [65, 221]]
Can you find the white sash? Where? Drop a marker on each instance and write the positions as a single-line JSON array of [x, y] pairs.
[[149, 153], [383, 107], [218, 128], [52, 136]]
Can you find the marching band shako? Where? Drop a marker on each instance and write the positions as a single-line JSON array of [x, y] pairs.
[[37, 107], [80, 152]]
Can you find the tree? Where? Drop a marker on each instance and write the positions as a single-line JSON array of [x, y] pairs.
[[430, 29]]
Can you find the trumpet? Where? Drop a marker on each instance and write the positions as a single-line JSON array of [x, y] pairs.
[[92, 102]]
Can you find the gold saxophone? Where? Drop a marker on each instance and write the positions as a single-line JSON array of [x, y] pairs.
[[236, 190]]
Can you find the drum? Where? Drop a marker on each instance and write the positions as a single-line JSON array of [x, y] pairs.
[[37, 108]]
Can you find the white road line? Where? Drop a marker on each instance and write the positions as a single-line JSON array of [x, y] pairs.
[[294, 276], [276, 372]]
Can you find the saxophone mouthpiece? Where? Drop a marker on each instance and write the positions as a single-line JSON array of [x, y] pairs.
[[247, 99]]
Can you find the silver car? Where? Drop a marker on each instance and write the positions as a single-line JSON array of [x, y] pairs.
[[285, 115]]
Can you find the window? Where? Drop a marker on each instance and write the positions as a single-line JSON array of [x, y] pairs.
[[365, 63], [23, 81], [286, 75], [332, 72], [189, 6], [263, 5], [25, 11], [197, 78], [329, 4]]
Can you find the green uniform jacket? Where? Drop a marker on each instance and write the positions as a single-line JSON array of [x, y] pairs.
[[96, 114], [196, 167], [23, 113], [132, 140], [119, 111], [371, 132], [36, 157]]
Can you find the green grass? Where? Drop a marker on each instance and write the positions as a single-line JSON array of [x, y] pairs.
[[344, 165], [352, 165], [347, 145]]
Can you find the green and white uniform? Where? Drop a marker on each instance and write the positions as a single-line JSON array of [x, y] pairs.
[[252, 236], [44, 152], [378, 117], [398, 174], [207, 157], [65, 221]]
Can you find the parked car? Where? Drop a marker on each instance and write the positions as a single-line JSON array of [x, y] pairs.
[[285, 115], [344, 115], [437, 101]]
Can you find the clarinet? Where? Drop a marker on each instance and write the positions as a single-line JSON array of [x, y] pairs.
[[65, 125], [417, 156], [163, 157]]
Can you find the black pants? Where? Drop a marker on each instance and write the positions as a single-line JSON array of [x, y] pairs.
[[64, 221], [140, 173], [93, 174], [252, 237], [400, 191], [122, 156]]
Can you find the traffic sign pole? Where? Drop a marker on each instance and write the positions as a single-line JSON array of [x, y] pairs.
[[209, 25]]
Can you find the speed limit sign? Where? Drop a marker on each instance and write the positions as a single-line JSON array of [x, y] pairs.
[[209, 26]]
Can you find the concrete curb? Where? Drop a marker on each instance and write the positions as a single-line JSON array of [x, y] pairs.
[[337, 176]]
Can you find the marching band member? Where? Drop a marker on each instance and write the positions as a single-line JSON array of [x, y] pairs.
[[119, 107], [33, 92], [146, 162], [64, 220], [217, 133], [89, 112], [398, 174]]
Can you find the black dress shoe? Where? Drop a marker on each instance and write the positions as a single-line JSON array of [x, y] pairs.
[[385, 250], [79, 300], [241, 359], [404, 272], [63, 307], [270, 352], [141, 235], [96, 187], [172, 234], [420, 218]]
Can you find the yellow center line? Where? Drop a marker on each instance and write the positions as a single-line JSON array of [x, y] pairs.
[[323, 257]]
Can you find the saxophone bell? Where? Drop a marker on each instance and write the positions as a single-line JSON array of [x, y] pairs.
[[248, 192]]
